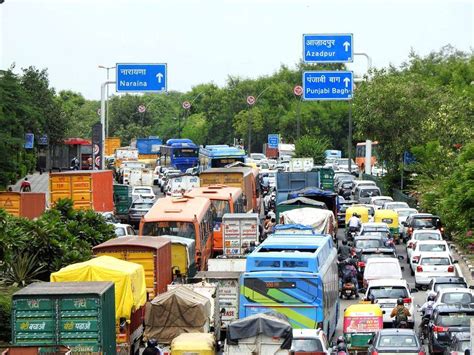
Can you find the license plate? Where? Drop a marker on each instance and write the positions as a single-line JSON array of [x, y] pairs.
[[387, 305], [348, 292]]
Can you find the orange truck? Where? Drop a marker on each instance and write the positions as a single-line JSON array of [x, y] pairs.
[[244, 177], [224, 199], [23, 204], [187, 217]]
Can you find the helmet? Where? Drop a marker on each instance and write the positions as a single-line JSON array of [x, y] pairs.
[[354, 214], [152, 343], [341, 347], [344, 242], [340, 339], [400, 302], [431, 297]]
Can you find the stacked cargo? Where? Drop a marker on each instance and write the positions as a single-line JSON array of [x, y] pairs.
[[80, 315]]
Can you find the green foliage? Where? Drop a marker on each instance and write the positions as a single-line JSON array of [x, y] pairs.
[[21, 271], [311, 147], [6, 312]]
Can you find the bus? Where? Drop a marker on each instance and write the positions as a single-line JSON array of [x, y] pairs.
[[296, 277], [180, 154], [244, 177], [360, 155], [224, 199], [218, 156], [187, 217]]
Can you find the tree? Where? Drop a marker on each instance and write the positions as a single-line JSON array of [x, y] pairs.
[[311, 147]]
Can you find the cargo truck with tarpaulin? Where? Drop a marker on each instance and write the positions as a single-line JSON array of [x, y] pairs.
[[87, 189], [153, 253], [130, 294], [295, 275], [296, 203], [79, 315], [287, 182], [329, 198]]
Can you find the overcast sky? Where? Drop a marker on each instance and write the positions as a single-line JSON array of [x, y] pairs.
[[207, 40]]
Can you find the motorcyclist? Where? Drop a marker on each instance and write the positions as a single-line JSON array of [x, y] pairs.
[[344, 251], [341, 349], [426, 312], [349, 274], [152, 348], [400, 312], [354, 223]]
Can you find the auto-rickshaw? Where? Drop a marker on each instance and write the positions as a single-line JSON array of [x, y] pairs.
[[390, 217], [361, 322], [363, 213], [193, 343]]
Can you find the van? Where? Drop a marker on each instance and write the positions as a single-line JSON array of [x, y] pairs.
[[364, 193], [382, 268]]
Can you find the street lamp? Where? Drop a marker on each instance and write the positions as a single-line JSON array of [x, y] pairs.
[[107, 101]]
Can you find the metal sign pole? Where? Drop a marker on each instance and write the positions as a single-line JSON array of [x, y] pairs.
[[102, 121]]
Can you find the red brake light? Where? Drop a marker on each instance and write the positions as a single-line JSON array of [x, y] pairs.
[[407, 300], [451, 268], [361, 264], [419, 269], [421, 353], [374, 353], [438, 328]]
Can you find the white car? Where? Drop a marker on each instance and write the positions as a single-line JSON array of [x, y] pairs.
[[454, 296], [381, 268], [433, 265], [144, 192], [124, 230], [403, 214], [378, 201], [426, 246], [422, 235], [386, 292], [394, 204], [310, 341], [272, 163], [256, 157]]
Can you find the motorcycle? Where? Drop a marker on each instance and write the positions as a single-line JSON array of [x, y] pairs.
[[348, 290]]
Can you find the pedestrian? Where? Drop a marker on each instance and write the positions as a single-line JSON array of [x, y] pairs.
[[25, 186]]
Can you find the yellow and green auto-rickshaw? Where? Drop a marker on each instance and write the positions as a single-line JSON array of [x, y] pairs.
[[362, 211], [390, 217], [193, 343], [361, 322]]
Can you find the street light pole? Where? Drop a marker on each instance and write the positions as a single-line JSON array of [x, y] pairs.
[[102, 121], [107, 101]]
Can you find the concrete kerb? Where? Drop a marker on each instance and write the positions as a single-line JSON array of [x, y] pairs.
[[464, 262]]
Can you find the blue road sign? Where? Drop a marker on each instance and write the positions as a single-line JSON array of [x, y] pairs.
[[29, 140], [328, 48], [327, 85], [273, 140], [136, 77]]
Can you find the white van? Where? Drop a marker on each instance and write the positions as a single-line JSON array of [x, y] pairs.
[[382, 268]]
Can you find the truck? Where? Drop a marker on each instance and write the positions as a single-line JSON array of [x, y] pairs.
[[111, 143], [270, 153], [148, 146], [291, 181], [263, 333], [80, 315], [125, 153], [130, 296], [153, 253], [92, 189], [177, 185], [177, 311], [286, 150], [140, 177], [239, 230], [122, 201], [23, 204], [301, 164]]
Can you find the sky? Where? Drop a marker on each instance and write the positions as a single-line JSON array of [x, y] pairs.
[[205, 41]]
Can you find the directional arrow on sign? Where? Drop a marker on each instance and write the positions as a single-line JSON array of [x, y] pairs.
[[347, 81], [159, 76], [346, 45]]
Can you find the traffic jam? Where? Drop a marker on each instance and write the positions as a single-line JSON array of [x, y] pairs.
[[220, 251]]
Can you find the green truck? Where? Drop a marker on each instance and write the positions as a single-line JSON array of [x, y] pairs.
[[122, 201], [80, 315]]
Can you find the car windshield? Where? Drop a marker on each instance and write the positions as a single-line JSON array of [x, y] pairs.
[[456, 319], [432, 247], [369, 243], [219, 208], [441, 286], [306, 344], [380, 202], [427, 236], [426, 222], [120, 232], [388, 292], [457, 297], [397, 340], [180, 229], [369, 193], [142, 205], [393, 205], [381, 234], [435, 261]]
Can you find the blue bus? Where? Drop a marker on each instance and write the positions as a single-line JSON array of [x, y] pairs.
[[296, 277], [180, 154], [218, 156]]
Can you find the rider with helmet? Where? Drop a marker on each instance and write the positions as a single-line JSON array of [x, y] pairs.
[[401, 313], [354, 224], [426, 312], [152, 348], [344, 251], [349, 274]]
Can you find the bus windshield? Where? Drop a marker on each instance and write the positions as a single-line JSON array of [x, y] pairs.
[[219, 208], [180, 229], [185, 153]]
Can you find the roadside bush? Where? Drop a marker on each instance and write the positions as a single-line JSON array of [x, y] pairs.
[[5, 312]]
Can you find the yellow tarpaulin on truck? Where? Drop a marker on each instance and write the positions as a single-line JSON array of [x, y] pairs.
[[129, 280]]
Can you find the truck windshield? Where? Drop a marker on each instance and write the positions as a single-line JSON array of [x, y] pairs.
[[306, 344], [185, 152], [180, 229], [219, 208]]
